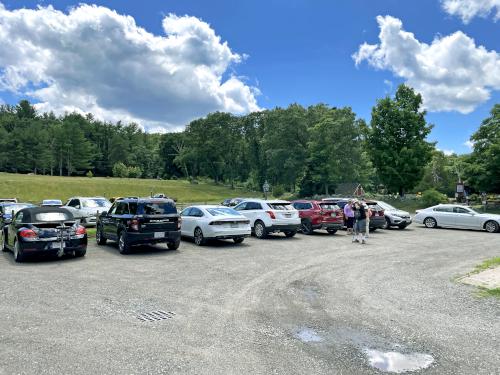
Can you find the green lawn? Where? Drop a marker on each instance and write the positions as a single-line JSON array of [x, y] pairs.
[[31, 188]]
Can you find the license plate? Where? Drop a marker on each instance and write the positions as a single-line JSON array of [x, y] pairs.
[[234, 225], [288, 215], [375, 214], [56, 245], [159, 234], [333, 215]]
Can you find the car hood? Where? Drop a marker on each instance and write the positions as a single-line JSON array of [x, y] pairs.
[[490, 216], [397, 212]]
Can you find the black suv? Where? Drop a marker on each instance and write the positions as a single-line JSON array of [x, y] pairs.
[[138, 221]]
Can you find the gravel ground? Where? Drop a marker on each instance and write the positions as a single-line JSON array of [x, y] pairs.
[[307, 305]]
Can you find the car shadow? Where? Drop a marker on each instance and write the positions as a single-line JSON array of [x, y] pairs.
[[41, 259], [140, 250], [218, 244]]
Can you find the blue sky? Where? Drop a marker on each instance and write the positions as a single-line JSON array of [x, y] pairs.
[[301, 50]]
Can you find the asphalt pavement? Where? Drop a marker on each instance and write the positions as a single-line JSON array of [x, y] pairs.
[[314, 304]]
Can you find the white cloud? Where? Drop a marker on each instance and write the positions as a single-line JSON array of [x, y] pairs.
[[93, 59], [469, 144], [451, 73], [447, 152], [468, 9]]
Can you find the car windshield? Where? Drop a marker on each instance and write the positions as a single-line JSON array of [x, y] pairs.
[[281, 206], [158, 208], [219, 211], [95, 203], [52, 202], [329, 206], [51, 216], [15, 207], [386, 206]]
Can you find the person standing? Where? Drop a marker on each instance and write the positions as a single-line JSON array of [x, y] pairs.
[[349, 216], [368, 216], [360, 214]]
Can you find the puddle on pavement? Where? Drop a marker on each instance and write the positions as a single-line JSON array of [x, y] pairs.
[[397, 362], [308, 335]]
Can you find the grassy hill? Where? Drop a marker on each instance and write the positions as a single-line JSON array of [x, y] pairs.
[[30, 188]]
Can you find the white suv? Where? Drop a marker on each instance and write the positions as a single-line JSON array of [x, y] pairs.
[[270, 216]]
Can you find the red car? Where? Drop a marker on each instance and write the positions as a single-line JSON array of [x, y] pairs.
[[319, 215]]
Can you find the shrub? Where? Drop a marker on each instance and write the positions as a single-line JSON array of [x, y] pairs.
[[134, 172], [278, 191], [432, 197], [120, 170], [89, 174]]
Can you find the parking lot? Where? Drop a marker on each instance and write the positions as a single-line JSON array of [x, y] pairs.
[[305, 305]]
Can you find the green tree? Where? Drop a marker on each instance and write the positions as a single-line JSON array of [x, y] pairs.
[[397, 142]]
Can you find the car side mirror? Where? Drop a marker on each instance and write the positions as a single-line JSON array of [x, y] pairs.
[[103, 213], [77, 207]]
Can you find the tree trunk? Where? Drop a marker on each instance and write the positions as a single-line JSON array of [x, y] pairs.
[[401, 191], [326, 189]]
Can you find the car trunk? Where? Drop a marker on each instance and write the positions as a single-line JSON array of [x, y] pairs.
[[53, 231], [158, 223], [331, 212]]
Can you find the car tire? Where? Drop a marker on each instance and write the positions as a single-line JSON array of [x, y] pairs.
[[331, 231], [290, 234], [99, 236], [123, 245], [238, 240], [3, 245], [372, 229], [198, 237], [306, 227], [18, 255], [402, 226], [80, 253], [260, 230], [430, 222], [491, 226], [387, 224], [173, 245]]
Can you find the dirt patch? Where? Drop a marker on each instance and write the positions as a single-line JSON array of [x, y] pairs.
[[489, 278]]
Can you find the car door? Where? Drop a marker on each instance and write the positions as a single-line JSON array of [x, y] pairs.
[[242, 209], [187, 222], [253, 211], [466, 218], [12, 228], [444, 216], [109, 222]]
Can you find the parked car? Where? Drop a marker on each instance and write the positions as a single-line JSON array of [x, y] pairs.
[[231, 202], [52, 202], [139, 221], [270, 216], [377, 220], [395, 217], [86, 208], [8, 200], [43, 230], [7, 208], [457, 216], [206, 222], [319, 215]]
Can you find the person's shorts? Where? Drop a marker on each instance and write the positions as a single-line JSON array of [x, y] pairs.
[[360, 226], [350, 222]]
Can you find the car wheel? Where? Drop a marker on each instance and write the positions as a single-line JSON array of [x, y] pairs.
[[2, 241], [18, 255], [372, 229], [238, 240], [99, 236], [123, 246], [331, 231], [290, 234], [306, 227], [174, 245], [80, 253], [387, 224], [198, 237], [430, 222], [260, 229], [491, 226], [402, 226]]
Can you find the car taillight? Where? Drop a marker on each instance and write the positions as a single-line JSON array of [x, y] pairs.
[[134, 224], [216, 223], [80, 230], [179, 222], [28, 233], [271, 214]]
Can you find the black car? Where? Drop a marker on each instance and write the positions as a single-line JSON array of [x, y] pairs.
[[139, 221], [43, 230]]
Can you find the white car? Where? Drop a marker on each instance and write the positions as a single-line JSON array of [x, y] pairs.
[[205, 222], [270, 216], [86, 208], [457, 216], [395, 217]]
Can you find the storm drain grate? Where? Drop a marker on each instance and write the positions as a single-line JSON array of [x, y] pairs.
[[154, 316]]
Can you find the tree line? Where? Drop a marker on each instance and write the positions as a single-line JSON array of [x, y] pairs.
[[305, 151]]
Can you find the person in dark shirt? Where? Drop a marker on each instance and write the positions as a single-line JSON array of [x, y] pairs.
[[360, 214]]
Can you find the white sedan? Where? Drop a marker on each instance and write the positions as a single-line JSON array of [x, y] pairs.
[[205, 222], [457, 216]]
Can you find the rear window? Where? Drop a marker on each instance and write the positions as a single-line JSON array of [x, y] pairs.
[[281, 206], [329, 206], [51, 216], [156, 208], [95, 203], [223, 212], [374, 207]]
